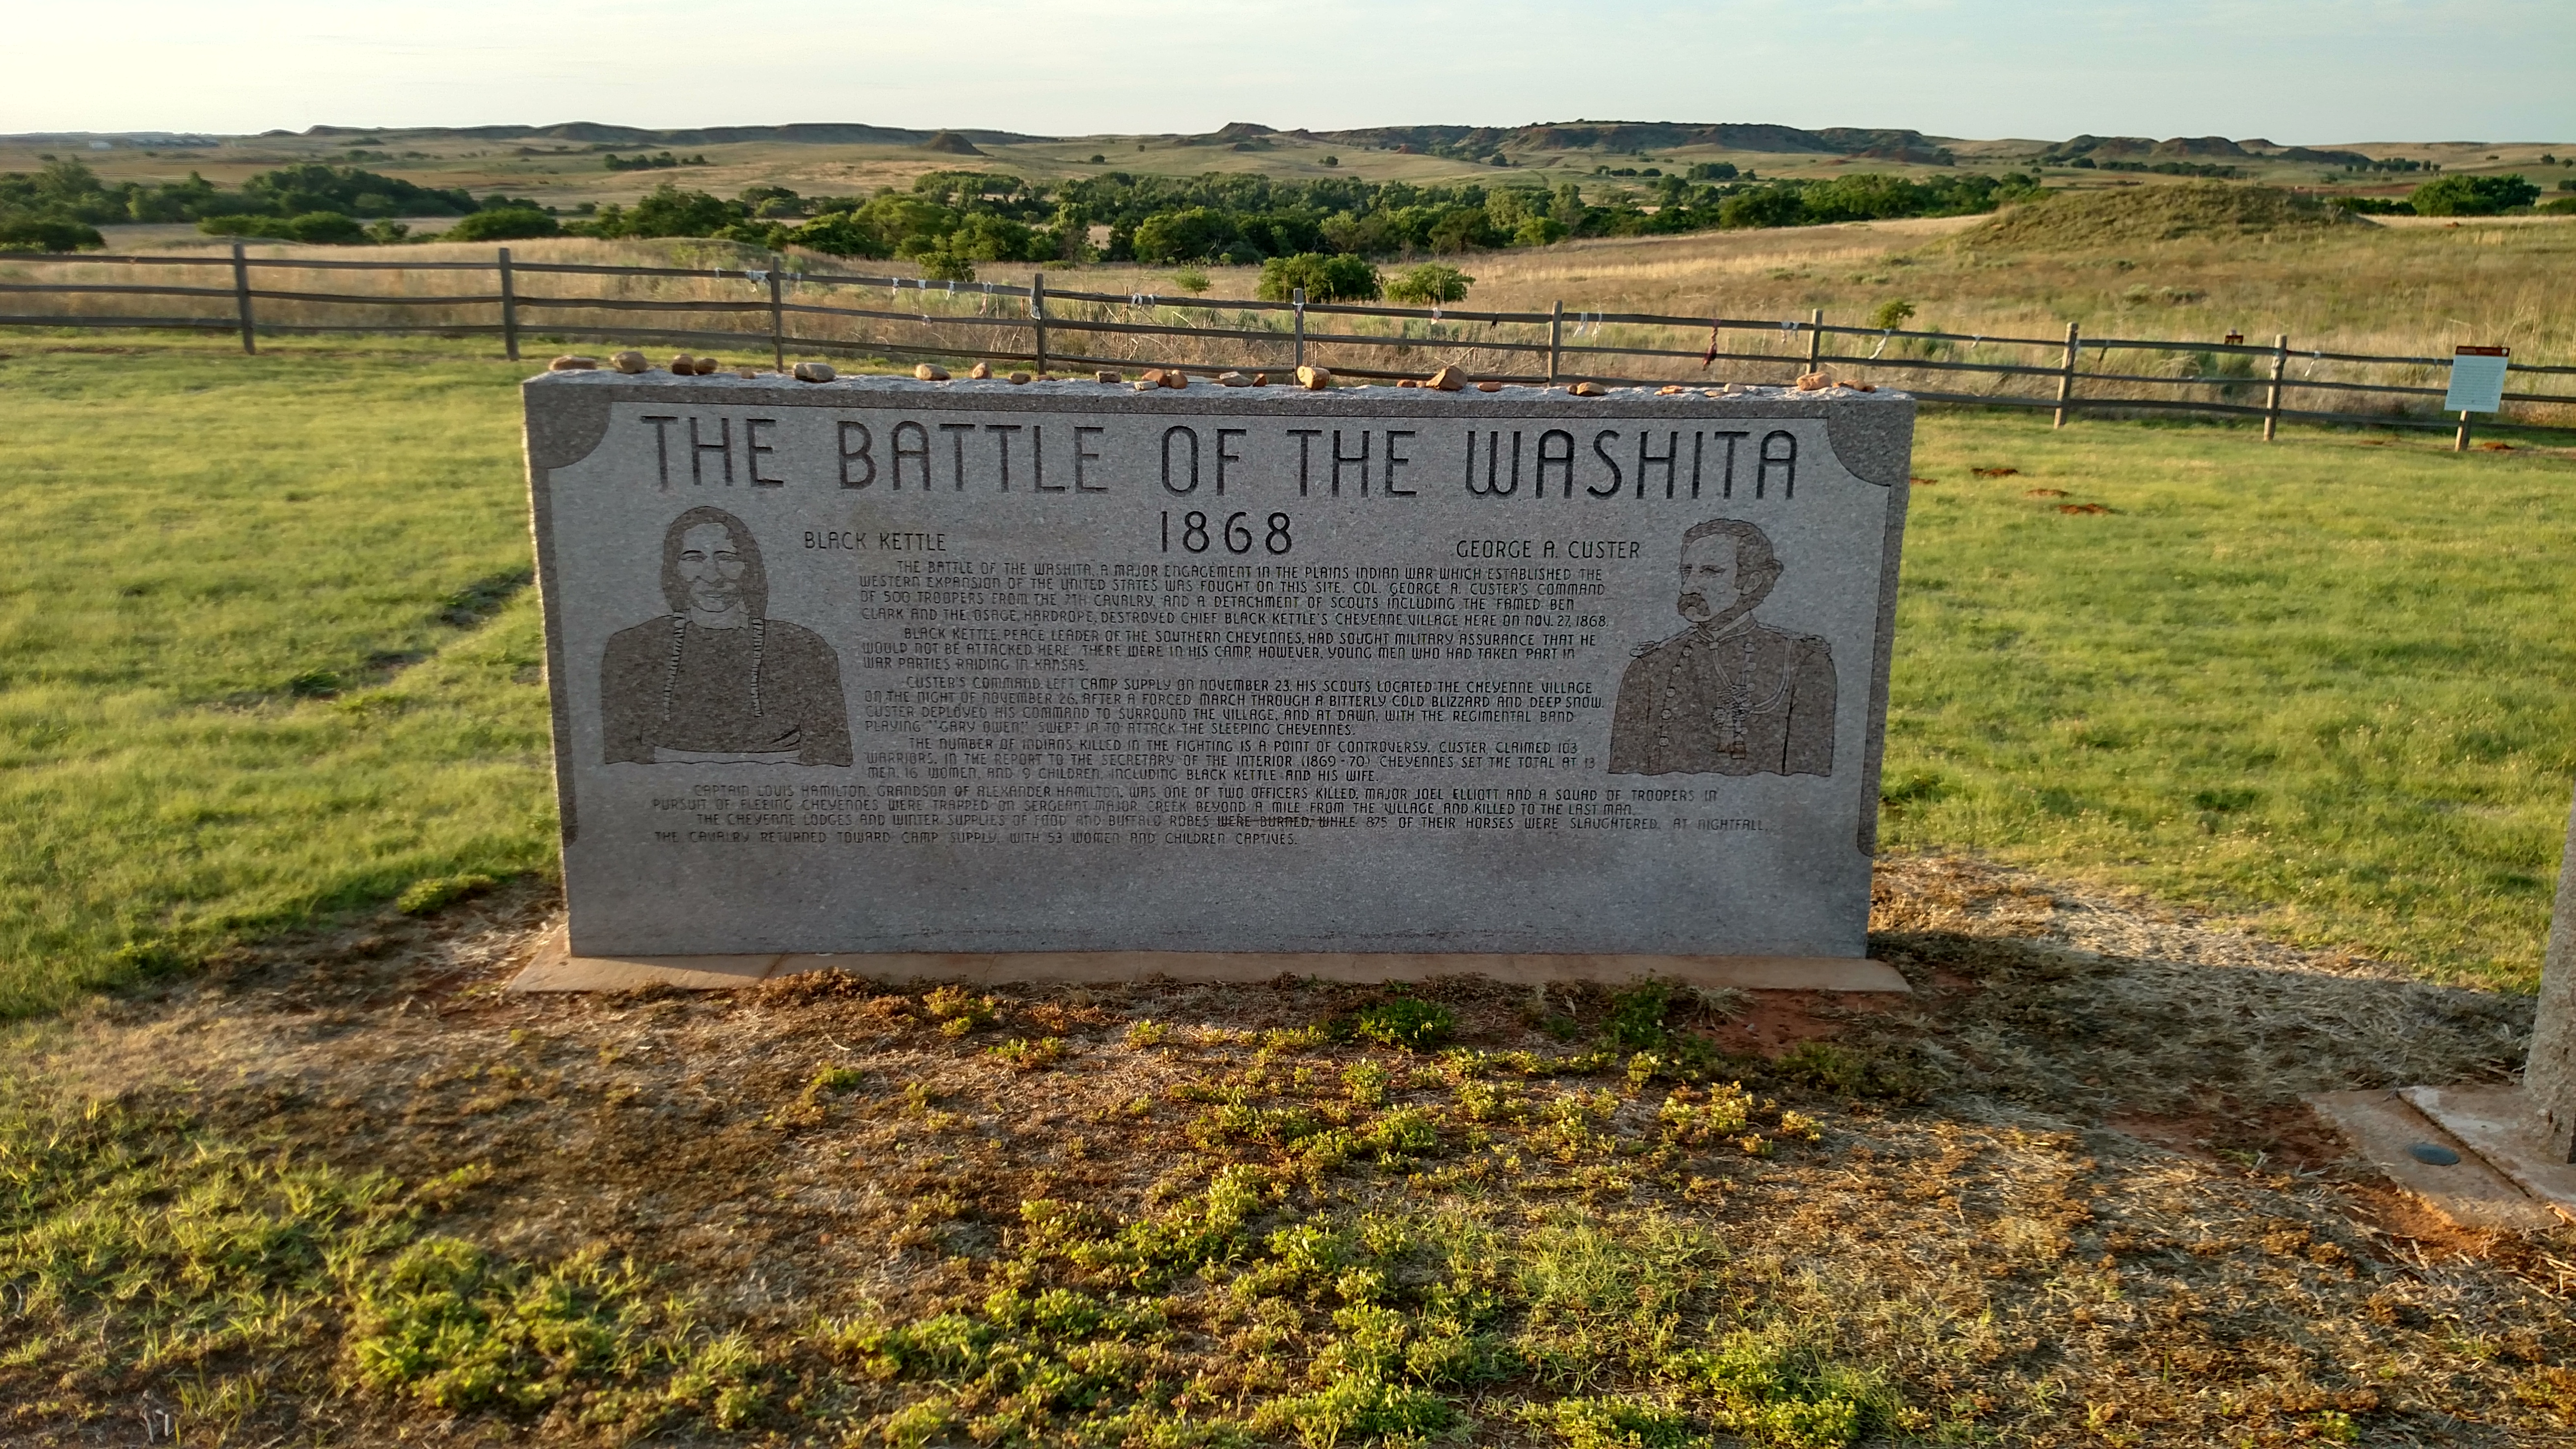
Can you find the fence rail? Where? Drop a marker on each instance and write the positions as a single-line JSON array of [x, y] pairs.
[[780, 309]]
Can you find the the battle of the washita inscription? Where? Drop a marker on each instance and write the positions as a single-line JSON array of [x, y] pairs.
[[886, 665]]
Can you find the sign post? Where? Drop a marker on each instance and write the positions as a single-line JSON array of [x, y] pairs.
[[2477, 386]]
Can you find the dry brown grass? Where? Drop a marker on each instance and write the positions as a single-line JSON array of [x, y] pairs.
[[2383, 291], [2091, 1212]]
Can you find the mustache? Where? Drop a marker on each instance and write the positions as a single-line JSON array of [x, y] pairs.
[[1693, 599]]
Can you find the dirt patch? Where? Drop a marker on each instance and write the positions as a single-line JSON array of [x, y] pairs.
[[2076, 1150]]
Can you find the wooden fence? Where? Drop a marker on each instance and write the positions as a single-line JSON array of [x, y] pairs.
[[778, 310]]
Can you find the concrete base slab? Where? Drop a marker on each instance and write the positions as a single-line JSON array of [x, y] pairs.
[[557, 969], [2504, 1125], [2384, 1126]]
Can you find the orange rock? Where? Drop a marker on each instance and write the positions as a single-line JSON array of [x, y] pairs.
[[629, 362], [1448, 379], [1585, 389], [931, 372], [980, 370], [1314, 379], [1489, 387], [1018, 377], [684, 366], [1406, 382], [1814, 382], [709, 367], [573, 362], [1174, 377]]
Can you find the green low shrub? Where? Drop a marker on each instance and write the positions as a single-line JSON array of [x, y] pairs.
[[2473, 195], [48, 234], [507, 224], [1430, 285], [1325, 278]]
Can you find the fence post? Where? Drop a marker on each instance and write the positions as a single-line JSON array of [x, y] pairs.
[[241, 299], [777, 315], [509, 310], [1297, 297], [2272, 400], [2066, 374], [1815, 339], [1037, 315], [1555, 340]]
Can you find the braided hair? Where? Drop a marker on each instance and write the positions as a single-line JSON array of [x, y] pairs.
[[675, 591]]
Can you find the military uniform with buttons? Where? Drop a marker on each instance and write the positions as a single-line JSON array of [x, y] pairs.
[[1742, 699]]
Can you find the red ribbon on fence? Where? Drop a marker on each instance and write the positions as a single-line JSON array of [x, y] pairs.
[[1709, 356]]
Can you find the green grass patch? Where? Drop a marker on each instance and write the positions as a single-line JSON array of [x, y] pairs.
[[138, 1243], [2323, 682], [277, 662]]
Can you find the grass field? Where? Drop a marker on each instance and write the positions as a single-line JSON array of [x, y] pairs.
[[268, 654], [271, 663], [271, 660]]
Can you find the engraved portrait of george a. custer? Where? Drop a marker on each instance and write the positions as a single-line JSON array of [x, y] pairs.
[[1729, 695]]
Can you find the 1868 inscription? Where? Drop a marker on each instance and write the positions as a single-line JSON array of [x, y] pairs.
[[893, 666]]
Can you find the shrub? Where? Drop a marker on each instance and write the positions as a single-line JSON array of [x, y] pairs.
[[1773, 205], [940, 264], [2564, 205], [1325, 278], [1893, 313], [1198, 234], [46, 234], [1461, 228], [1190, 280], [1538, 231], [2473, 195], [508, 224], [324, 228], [320, 228], [840, 234], [669, 211], [1430, 285], [2374, 206]]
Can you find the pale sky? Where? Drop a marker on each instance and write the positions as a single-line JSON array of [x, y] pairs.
[[2292, 71]]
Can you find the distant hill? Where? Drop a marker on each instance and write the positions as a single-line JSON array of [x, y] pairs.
[[2195, 148], [843, 133], [1646, 136], [2192, 153], [2078, 220]]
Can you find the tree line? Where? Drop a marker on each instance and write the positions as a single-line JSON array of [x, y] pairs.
[[61, 206], [947, 222]]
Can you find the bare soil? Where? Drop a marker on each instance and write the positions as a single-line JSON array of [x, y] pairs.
[[2076, 1199]]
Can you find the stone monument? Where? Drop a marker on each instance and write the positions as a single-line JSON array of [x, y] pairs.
[[890, 666], [2550, 1076]]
